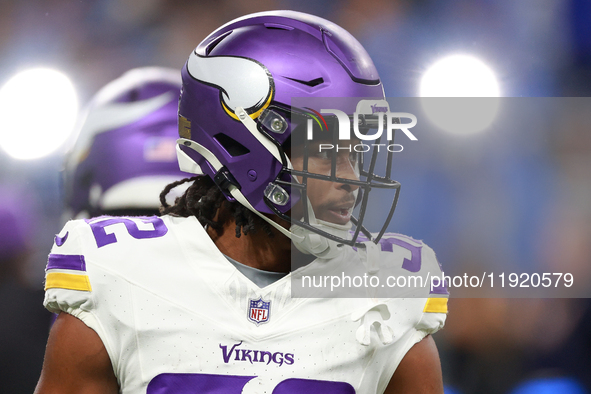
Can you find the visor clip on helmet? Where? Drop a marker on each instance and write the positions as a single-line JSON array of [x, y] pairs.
[[224, 179]]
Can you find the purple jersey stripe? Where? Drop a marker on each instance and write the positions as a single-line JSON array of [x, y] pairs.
[[66, 262]]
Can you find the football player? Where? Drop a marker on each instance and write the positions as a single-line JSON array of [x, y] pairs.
[[125, 151], [200, 299]]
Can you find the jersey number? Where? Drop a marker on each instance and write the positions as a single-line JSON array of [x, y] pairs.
[[103, 238], [414, 263], [193, 383]]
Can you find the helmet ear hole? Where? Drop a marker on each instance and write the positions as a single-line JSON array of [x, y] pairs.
[[230, 145]]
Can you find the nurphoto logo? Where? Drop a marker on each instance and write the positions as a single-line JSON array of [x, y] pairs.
[[370, 114]]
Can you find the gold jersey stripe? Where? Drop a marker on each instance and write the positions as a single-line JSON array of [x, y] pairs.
[[62, 280], [436, 305]]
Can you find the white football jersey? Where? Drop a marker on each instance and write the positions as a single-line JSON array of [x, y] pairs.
[[176, 316]]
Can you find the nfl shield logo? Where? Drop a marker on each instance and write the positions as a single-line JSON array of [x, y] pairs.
[[258, 311]]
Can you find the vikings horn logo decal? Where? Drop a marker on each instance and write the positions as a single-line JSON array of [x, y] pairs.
[[242, 82]]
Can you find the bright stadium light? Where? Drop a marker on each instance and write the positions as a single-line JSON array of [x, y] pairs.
[[38, 109], [460, 79], [459, 76]]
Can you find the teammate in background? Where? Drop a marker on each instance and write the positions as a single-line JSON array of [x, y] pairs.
[[125, 151], [199, 300]]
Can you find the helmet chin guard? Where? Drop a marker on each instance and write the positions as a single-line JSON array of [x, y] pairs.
[[310, 242]]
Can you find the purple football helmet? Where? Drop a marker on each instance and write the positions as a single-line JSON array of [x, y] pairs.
[[236, 117], [125, 152]]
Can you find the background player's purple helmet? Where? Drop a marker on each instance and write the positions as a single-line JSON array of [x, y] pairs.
[[235, 109], [125, 152]]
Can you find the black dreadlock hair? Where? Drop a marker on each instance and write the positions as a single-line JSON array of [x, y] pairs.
[[203, 199]]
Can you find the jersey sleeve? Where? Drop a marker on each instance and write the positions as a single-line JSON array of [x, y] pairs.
[[417, 311], [435, 307], [414, 264], [98, 268], [69, 280], [68, 285]]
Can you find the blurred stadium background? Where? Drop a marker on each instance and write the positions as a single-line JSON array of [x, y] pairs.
[[522, 202]]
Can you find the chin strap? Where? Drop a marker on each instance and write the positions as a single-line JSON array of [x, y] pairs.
[[316, 244]]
